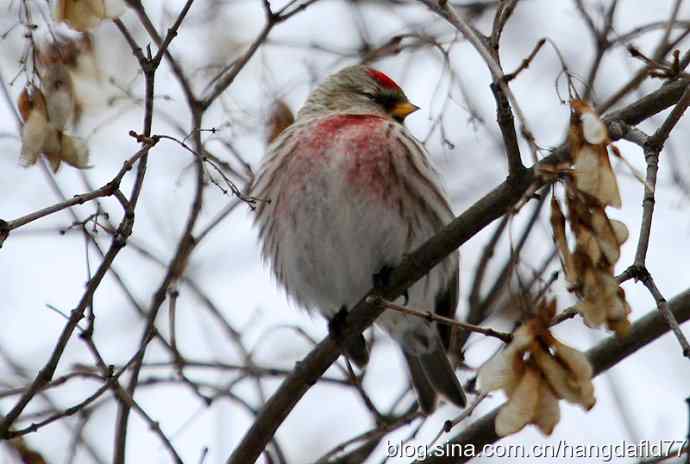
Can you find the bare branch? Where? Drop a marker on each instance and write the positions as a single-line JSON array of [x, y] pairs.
[[603, 356], [432, 316], [413, 267]]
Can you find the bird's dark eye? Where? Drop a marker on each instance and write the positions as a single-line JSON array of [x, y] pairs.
[[387, 101]]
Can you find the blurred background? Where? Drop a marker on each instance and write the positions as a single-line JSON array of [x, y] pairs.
[[226, 290]]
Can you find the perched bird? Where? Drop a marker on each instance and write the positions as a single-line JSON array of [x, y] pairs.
[[351, 192]]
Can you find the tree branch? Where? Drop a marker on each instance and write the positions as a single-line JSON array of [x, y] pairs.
[[413, 267], [603, 356]]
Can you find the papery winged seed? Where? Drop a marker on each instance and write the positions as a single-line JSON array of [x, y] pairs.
[[594, 175], [54, 160], [522, 338], [608, 185], [81, 15], [620, 231], [617, 309], [581, 107], [590, 284], [609, 284], [114, 8], [53, 141], [558, 226], [593, 129], [621, 327], [604, 301], [77, 54], [59, 94], [606, 236], [557, 376], [280, 118], [621, 296], [588, 244], [504, 368], [24, 104], [576, 361], [521, 406], [496, 373], [34, 134], [30, 100], [590, 313], [586, 164], [587, 395], [548, 411], [75, 152], [599, 289], [548, 311]]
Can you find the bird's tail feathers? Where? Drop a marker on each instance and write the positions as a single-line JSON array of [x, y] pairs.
[[432, 374], [440, 374], [356, 350], [426, 394]]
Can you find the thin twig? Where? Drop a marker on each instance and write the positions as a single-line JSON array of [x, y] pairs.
[[431, 316], [446, 10], [652, 151], [108, 189], [372, 435], [450, 424], [227, 76], [487, 254], [45, 375]]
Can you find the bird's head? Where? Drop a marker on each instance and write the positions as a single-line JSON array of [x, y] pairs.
[[359, 90]]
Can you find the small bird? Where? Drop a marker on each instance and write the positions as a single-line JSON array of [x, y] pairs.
[[349, 191]]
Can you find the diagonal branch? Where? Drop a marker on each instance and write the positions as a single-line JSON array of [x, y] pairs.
[[45, 375], [413, 267], [500, 86], [227, 76], [652, 150], [138, 7], [107, 190]]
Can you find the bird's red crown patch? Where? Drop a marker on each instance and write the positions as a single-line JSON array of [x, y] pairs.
[[382, 79]]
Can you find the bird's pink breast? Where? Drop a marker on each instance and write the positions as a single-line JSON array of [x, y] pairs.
[[362, 145]]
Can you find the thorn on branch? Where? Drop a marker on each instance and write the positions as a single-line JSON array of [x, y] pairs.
[[636, 272], [143, 139], [659, 69]]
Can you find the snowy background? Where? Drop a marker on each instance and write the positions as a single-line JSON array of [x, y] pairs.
[[641, 398]]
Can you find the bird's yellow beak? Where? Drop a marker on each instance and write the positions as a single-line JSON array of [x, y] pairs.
[[402, 110]]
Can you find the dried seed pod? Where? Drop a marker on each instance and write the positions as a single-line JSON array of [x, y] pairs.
[[84, 15], [32, 108], [588, 139], [279, 119], [58, 88], [81, 15], [536, 370], [74, 152]]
